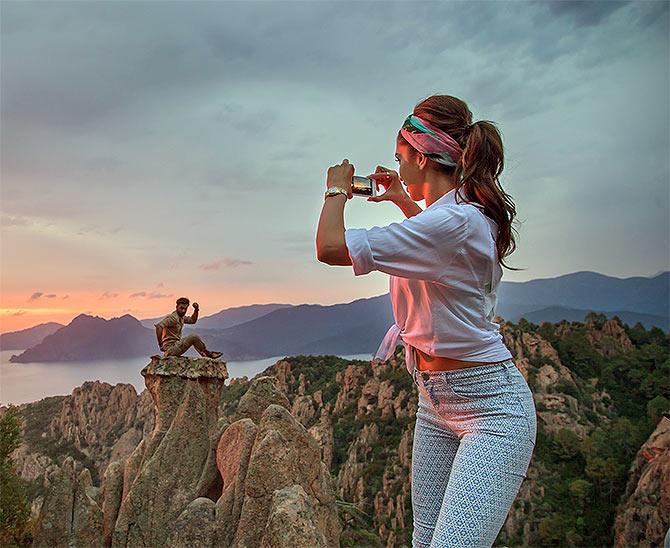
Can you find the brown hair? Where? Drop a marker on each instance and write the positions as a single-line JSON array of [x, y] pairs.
[[480, 164], [183, 300]]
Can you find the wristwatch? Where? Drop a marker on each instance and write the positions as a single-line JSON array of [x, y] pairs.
[[334, 190]]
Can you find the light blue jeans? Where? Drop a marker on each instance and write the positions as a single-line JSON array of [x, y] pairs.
[[473, 440]]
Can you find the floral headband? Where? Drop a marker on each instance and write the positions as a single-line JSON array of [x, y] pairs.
[[430, 140]]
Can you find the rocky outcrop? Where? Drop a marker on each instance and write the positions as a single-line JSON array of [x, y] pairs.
[[196, 526], [608, 337], [186, 394], [285, 455], [292, 521], [233, 454], [102, 421], [200, 479], [70, 515], [263, 392], [261, 452], [644, 515]]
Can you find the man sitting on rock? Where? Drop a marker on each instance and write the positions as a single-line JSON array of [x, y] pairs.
[[168, 332]]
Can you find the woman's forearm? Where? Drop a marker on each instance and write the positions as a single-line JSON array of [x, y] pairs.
[[331, 247], [408, 206]]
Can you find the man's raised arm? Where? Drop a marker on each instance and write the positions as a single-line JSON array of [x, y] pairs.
[[193, 317]]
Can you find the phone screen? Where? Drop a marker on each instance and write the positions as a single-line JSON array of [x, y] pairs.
[[362, 186]]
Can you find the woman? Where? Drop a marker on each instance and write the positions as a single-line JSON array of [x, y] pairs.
[[476, 424]]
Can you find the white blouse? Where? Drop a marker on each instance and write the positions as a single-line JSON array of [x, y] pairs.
[[444, 278]]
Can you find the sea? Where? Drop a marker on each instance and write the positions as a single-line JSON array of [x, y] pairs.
[[27, 382]]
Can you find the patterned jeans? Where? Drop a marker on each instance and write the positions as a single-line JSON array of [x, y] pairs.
[[473, 440]]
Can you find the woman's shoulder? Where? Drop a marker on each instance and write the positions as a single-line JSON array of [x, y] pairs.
[[477, 220]]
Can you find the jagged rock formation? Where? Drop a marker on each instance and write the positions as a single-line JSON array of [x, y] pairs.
[[255, 478], [374, 404], [644, 516], [98, 423], [70, 515], [104, 422], [174, 460], [354, 420], [553, 383]]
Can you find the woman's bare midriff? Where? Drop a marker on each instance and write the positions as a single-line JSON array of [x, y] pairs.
[[426, 362]]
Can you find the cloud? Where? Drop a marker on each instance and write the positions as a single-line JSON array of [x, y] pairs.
[[14, 220], [19, 313], [226, 262], [152, 295], [41, 295], [97, 230], [220, 119], [583, 13], [160, 295], [108, 295]]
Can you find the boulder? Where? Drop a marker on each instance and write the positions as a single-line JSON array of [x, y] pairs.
[[292, 523], [644, 515], [195, 526], [285, 454], [263, 391]]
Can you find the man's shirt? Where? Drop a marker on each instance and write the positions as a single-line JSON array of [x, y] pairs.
[[173, 324], [444, 277]]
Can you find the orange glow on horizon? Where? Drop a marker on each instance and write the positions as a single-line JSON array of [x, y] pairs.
[[17, 312]]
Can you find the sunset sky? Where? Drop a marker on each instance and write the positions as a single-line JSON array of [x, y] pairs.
[[159, 149]]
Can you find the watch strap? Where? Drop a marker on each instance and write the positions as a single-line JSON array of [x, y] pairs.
[[334, 191]]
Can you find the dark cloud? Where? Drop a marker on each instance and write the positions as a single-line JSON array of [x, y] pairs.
[[41, 295], [113, 113], [584, 13]]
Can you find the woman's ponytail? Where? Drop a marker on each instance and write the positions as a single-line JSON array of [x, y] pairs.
[[480, 165]]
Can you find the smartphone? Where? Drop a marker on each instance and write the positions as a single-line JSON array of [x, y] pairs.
[[363, 186]]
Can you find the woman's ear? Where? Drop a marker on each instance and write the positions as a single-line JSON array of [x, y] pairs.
[[423, 160]]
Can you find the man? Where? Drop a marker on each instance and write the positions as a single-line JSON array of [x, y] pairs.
[[168, 332]]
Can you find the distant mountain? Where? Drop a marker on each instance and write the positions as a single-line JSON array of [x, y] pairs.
[[586, 291], [228, 317], [358, 327], [25, 338], [93, 338], [555, 314], [352, 328]]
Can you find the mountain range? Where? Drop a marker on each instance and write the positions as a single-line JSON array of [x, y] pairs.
[[262, 331], [27, 338]]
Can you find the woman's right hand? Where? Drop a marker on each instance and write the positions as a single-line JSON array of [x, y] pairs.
[[390, 180]]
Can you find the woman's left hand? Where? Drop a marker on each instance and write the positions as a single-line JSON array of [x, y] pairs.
[[341, 175]]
